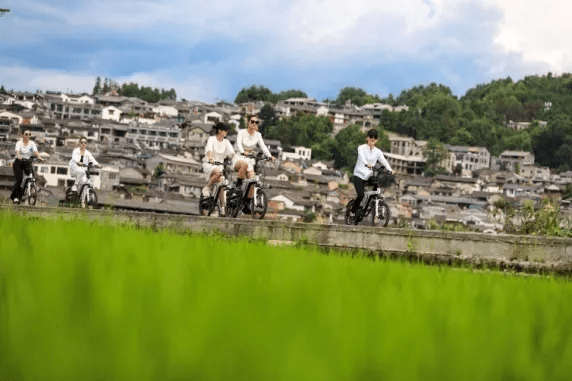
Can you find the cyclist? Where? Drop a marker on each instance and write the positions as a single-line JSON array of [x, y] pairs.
[[25, 148], [368, 155], [81, 157], [218, 148], [246, 140]]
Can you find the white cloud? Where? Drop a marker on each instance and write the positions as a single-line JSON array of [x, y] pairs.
[[496, 37], [27, 79]]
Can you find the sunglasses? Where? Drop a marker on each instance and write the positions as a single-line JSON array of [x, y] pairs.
[[255, 121], [372, 137], [83, 142], [27, 134]]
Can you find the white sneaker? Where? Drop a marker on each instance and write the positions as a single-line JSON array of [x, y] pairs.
[[74, 188], [16, 201], [222, 211], [206, 192]]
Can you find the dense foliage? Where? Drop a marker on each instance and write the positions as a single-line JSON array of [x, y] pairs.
[[261, 93], [479, 118], [117, 303], [147, 94]]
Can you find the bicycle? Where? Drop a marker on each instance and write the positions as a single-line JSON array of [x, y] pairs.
[[207, 205], [373, 202], [85, 195], [237, 196], [29, 188]]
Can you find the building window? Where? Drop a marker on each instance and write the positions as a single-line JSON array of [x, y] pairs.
[[53, 170], [62, 171]]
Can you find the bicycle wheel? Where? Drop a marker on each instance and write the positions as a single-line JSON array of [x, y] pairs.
[[233, 202], [32, 193], [204, 205], [91, 198], [349, 219], [380, 217], [259, 205]]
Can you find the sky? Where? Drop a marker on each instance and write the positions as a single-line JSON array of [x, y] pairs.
[[207, 50]]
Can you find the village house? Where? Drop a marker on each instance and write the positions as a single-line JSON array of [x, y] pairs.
[[512, 160]]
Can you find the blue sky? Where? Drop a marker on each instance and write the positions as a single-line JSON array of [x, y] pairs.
[[209, 50]]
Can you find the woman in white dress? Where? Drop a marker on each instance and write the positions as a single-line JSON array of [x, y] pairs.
[[25, 148], [218, 148], [81, 157], [246, 141]]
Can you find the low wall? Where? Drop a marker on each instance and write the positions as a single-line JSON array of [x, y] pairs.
[[520, 253]]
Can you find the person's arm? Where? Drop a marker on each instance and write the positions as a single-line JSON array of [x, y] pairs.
[[239, 142], [263, 146], [381, 158], [18, 154], [36, 152], [229, 150], [92, 160], [209, 149]]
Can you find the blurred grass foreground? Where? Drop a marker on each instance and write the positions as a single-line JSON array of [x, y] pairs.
[[86, 301]]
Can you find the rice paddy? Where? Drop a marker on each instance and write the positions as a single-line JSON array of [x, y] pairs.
[[91, 301]]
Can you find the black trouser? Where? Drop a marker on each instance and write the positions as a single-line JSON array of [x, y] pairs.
[[20, 167], [360, 185]]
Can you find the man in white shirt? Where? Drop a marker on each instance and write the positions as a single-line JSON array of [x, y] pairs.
[[368, 155]]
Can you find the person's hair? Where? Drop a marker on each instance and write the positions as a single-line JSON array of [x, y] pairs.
[[372, 133], [83, 138], [220, 126], [250, 116], [24, 130]]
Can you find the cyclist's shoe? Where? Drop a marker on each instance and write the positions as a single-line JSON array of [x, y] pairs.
[[246, 209], [222, 212], [74, 188], [358, 216], [16, 201]]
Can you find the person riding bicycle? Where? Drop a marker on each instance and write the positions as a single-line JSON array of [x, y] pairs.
[[218, 148], [368, 155], [81, 157], [246, 140], [25, 148]]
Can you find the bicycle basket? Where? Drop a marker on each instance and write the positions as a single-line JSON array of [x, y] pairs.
[[383, 179]]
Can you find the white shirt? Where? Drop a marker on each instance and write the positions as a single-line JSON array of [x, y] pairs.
[[220, 150], [245, 141], [76, 157], [26, 151], [368, 156]]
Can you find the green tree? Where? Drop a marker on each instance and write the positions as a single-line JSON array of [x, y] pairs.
[[97, 87], [301, 130], [158, 171], [267, 115], [344, 150], [435, 152], [255, 93], [356, 96]]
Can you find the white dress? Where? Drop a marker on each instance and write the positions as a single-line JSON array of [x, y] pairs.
[[76, 171], [220, 150], [244, 142]]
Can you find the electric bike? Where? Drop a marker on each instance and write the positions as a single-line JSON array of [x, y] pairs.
[[237, 196], [373, 202]]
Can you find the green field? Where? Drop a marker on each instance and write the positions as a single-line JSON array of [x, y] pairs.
[[86, 301]]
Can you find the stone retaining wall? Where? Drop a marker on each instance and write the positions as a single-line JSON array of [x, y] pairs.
[[520, 253]]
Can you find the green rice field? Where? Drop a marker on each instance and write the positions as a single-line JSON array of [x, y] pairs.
[[91, 301]]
